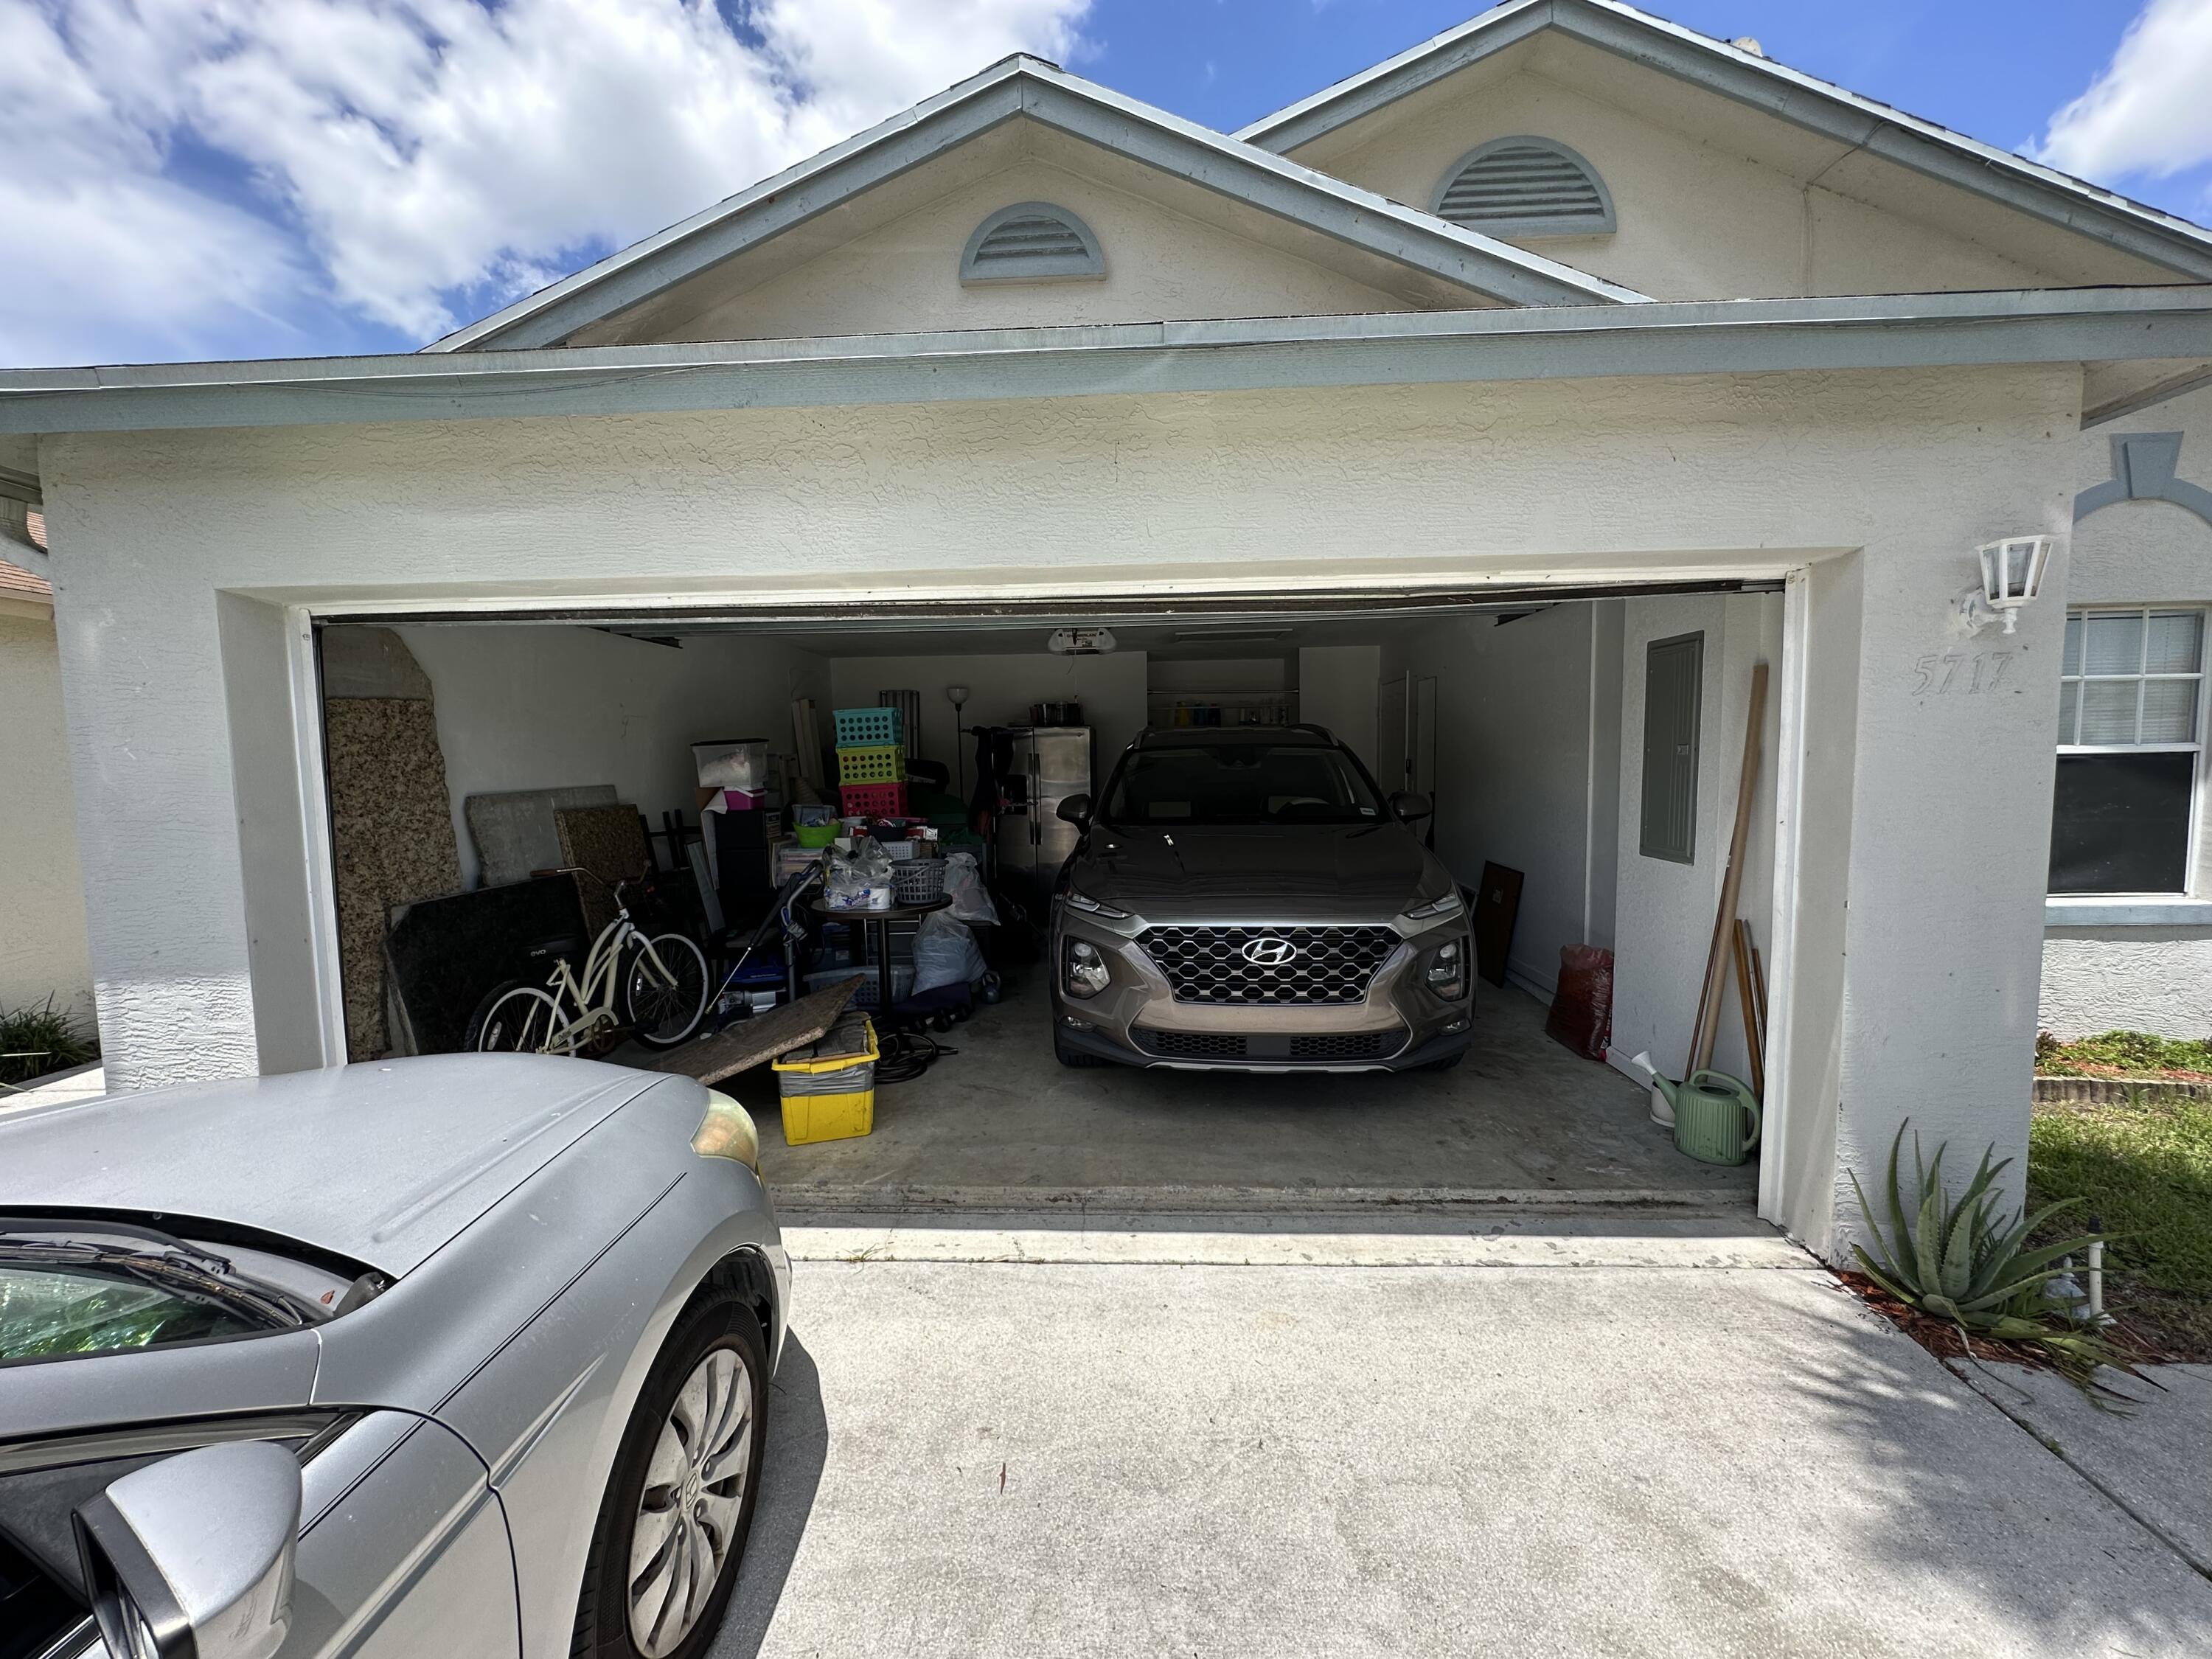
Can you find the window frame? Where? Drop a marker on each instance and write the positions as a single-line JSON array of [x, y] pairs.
[[1693, 644], [2203, 710]]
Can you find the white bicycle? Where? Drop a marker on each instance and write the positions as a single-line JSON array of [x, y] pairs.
[[662, 982]]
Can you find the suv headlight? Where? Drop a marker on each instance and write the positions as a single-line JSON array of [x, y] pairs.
[[1449, 905], [1083, 968], [1086, 902], [1446, 974]]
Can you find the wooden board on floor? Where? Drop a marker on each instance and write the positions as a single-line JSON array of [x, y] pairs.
[[756, 1042]]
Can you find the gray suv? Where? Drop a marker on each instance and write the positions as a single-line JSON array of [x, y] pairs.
[[1244, 899]]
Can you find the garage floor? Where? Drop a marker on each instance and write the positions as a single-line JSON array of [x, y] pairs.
[[1002, 1125]]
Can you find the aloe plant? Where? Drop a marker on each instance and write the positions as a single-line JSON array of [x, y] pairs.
[[1958, 1259]]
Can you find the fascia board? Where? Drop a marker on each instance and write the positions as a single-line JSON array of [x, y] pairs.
[[1804, 100], [1031, 87], [1236, 355]]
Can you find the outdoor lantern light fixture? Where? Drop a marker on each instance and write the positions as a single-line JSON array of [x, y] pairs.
[[2012, 574]]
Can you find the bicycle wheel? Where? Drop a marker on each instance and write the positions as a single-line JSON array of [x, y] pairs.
[[515, 1019], [664, 1009]]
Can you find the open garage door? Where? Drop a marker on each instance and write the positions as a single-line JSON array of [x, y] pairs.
[[1575, 754]]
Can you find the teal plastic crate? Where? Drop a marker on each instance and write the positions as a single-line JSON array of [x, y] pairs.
[[862, 728]]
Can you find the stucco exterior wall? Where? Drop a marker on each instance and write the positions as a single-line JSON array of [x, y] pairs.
[[42, 935], [1711, 200], [2142, 978], [1629, 478]]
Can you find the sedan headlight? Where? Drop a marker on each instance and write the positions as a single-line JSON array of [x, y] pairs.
[[1084, 969], [1083, 901], [727, 1131], [1449, 905]]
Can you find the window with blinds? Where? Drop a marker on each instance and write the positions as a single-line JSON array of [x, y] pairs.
[[1674, 694], [2131, 745]]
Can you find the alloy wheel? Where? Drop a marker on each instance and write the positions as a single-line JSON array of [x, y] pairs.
[[695, 1491]]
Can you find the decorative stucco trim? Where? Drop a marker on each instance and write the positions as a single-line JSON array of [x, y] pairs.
[[2127, 913], [1687, 336], [2144, 465], [1803, 100], [989, 258], [1596, 220], [1031, 89]]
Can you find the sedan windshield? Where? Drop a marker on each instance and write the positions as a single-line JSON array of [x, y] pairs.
[[66, 1293], [1245, 783]]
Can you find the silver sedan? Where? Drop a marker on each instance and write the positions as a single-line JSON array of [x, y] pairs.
[[458, 1355]]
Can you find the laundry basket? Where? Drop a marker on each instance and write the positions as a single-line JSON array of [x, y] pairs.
[[828, 1088], [917, 881]]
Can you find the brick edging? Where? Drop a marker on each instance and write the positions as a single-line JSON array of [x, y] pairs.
[[2114, 1091]]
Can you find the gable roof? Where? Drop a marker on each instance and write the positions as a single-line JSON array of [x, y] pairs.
[[1030, 89], [1804, 100]]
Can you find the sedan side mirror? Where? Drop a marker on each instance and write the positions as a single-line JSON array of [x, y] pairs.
[[1075, 810], [190, 1557], [1411, 805]]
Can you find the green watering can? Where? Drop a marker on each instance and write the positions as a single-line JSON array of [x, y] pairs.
[[1716, 1116]]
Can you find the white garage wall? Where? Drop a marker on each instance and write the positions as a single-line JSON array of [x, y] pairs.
[[1337, 686], [530, 707], [1000, 689], [1513, 770], [1664, 911], [42, 939]]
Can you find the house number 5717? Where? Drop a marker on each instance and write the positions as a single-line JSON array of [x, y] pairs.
[[1965, 672]]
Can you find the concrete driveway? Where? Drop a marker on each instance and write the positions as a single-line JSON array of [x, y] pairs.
[[1113, 1441]]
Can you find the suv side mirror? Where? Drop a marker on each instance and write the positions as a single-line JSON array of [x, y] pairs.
[[1075, 810], [190, 1557], [1410, 805]]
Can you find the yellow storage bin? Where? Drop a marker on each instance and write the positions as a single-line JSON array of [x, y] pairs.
[[828, 1088], [828, 1117]]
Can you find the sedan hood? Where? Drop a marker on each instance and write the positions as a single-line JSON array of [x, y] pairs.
[[1321, 873], [380, 1163]]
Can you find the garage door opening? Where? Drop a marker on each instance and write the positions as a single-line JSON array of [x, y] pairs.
[[1579, 753]]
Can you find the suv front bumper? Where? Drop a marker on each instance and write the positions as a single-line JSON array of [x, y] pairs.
[[1400, 1023]]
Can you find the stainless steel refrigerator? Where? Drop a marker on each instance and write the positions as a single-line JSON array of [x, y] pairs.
[[1050, 763]]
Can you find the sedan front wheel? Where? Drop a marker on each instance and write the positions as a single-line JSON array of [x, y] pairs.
[[673, 1528]]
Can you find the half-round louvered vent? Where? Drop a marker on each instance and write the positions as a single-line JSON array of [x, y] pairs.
[[1031, 242], [1525, 187]]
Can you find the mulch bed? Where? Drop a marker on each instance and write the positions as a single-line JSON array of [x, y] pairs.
[[1941, 1337]]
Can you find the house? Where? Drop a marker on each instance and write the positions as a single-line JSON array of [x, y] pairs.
[[1521, 403], [43, 954]]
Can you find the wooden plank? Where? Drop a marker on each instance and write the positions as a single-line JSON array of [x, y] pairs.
[[1496, 903], [755, 1042], [1753, 1040], [1708, 1006]]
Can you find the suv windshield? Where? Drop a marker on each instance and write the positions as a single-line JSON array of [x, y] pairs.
[[1244, 782]]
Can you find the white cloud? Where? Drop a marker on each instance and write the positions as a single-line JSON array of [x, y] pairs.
[[406, 149], [2150, 112]]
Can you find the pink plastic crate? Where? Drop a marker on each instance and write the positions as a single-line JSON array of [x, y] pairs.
[[874, 800]]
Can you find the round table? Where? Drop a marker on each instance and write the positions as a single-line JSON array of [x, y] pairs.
[[878, 922]]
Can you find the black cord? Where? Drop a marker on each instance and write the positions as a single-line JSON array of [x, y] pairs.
[[905, 1055]]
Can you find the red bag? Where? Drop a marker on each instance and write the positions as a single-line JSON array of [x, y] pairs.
[[1581, 1008]]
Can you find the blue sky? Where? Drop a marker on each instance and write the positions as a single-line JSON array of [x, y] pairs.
[[291, 177]]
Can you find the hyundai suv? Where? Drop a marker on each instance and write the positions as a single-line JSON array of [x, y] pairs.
[[1244, 899]]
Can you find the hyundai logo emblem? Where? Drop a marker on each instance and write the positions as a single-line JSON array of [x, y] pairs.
[[1271, 952]]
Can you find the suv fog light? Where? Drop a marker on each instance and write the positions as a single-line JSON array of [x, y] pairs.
[[1086, 975], [1447, 972]]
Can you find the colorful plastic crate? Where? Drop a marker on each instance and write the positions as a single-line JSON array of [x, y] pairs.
[[876, 764], [873, 800], [867, 728]]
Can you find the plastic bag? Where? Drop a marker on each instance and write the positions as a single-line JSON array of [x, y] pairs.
[[963, 885], [944, 953], [1581, 1008], [858, 880]]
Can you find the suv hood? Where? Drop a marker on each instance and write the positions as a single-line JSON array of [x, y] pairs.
[[1275, 872]]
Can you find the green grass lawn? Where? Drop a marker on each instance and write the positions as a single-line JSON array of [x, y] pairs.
[[2146, 1171]]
